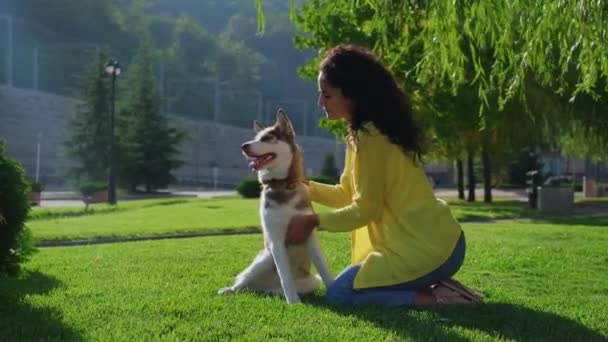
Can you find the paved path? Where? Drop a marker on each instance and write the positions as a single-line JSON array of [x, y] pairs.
[[52, 199], [516, 194], [69, 199]]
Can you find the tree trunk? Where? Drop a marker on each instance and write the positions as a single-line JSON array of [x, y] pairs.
[[460, 178], [471, 174], [487, 174]]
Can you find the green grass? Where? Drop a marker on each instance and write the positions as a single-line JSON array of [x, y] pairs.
[[175, 216], [543, 282], [146, 217], [479, 211]]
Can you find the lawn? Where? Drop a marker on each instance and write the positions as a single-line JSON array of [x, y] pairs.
[[177, 216], [543, 282], [544, 278], [144, 217]]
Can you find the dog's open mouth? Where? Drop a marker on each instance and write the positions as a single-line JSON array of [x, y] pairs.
[[258, 162]]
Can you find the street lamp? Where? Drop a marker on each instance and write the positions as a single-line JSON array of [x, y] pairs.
[[113, 68]]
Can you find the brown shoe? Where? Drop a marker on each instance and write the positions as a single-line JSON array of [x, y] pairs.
[[446, 296], [472, 295]]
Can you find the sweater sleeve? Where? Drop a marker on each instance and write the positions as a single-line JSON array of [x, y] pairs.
[[370, 162], [335, 196]]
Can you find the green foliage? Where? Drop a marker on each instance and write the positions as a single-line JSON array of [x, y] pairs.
[[149, 145], [585, 140], [329, 168], [249, 188], [495, 51], [16, 244], [36, 186], [453, 31], [88, 137], [339, 128]]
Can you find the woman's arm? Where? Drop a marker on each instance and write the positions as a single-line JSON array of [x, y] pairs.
[[335, 196], [370, 163]]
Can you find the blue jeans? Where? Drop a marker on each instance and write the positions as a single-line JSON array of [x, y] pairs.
[[342, 291]]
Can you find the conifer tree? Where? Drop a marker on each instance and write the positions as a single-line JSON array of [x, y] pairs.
[[87, 137], [148, 144]]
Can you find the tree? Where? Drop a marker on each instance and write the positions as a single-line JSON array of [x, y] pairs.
[[87, 138], [525, 37], [553, 44], [16, 243], [148, 143]]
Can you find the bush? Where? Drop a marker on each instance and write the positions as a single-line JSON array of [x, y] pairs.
[[329, 168], [87, 188], [323, 179], [36, 186], [16, 243], [249, 188]]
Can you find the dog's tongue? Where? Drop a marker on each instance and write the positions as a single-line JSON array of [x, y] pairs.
[[254, 163]]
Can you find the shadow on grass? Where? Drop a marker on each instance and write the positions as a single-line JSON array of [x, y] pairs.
[[73, 212], [498, 320], [577, 220], [584, 214], [98, 209], [23, 322], [166, 203]]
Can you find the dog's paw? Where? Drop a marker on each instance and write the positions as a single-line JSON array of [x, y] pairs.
[[294, 301], [226, 291]]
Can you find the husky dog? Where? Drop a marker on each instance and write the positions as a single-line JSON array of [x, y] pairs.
[[279, 268]]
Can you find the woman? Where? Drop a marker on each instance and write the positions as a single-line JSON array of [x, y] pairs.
[[405, 243]]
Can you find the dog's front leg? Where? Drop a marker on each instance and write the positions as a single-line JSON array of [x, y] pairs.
[[318, 259], [281, 260]]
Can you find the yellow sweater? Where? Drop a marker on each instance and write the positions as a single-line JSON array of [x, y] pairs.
[[400, 231]]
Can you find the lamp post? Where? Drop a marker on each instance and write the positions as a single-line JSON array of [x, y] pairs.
[[113, 68], [38, 156]]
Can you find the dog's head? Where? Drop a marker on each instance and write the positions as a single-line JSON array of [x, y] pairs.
[[273, 150]]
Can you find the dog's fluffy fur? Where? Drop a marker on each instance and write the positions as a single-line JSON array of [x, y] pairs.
[[280, 268]]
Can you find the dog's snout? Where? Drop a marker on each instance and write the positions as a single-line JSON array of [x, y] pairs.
[[245, 147]]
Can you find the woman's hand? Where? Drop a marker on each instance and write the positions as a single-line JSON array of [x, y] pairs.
[[300, 227]]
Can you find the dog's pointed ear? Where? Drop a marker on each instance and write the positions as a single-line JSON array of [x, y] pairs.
[[257, 126], [284, 122]]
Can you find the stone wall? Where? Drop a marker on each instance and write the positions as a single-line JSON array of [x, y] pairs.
[[26, 113]]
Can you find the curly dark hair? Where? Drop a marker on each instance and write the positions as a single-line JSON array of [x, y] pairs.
[[375, 95]]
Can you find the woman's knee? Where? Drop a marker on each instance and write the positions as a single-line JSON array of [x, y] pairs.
[[337, 294], [341, 290]]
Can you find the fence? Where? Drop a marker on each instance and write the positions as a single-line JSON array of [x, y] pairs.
[[36, 58]]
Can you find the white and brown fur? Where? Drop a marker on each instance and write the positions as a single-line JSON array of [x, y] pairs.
[[281, 268]]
